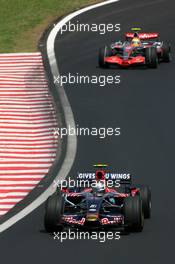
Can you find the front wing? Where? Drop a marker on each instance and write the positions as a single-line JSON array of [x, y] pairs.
[[93, 220], [125, 62]]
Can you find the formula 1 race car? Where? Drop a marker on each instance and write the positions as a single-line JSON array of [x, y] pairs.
[[137, 49], [103, 200]]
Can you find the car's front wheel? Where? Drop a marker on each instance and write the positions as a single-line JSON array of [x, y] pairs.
[[151, 57], [53, 212], [103, 53], [133, 214]]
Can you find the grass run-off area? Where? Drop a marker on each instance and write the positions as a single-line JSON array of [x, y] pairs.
[[23, 21]]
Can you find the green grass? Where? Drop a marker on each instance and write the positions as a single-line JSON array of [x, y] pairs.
[[23, 21]]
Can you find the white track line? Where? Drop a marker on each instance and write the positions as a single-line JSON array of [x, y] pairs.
[[72, 141]]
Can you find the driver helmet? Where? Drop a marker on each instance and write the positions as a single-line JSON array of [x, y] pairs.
[[100, 175], [135, 42]]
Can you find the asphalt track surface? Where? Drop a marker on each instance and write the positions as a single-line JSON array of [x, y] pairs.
[[143, 106]]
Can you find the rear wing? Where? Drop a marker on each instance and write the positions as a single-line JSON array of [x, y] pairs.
[[142, 35], [122, 178]]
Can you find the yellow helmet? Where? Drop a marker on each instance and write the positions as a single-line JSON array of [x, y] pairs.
[[135, 42]]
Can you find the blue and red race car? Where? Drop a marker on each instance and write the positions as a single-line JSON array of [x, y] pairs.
[[103, 200], [137, 49]]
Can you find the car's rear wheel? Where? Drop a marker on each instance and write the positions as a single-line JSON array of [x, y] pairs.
[[145, 195], [133, 214], [53, 212], [103, 53], [151, 57], [166, 55]]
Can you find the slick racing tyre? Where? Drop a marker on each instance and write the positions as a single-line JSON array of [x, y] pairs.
[[145, 195], [151, 57], [133, 214], [103, 53], [166, 55], [53, 213]]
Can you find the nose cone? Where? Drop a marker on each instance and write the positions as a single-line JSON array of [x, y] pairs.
[[92, 217], [125, 62]]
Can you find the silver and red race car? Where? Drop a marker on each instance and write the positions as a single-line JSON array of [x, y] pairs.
[[137, 49], [103, 200]]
